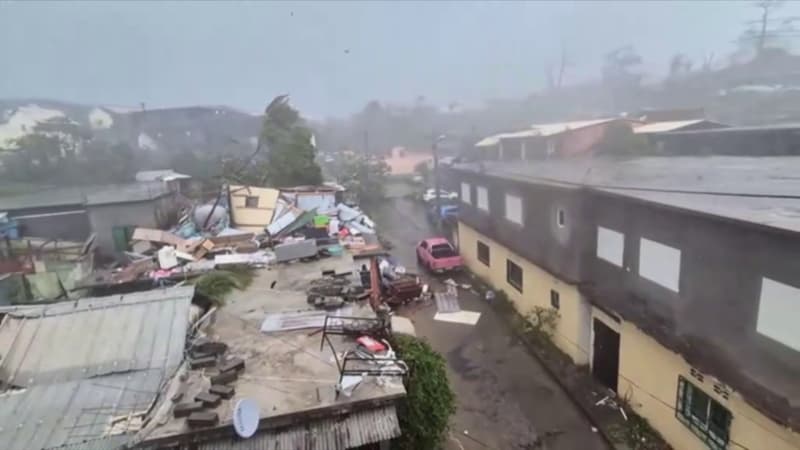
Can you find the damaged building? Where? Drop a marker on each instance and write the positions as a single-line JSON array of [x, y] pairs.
[[84, 374], [675, 279], [111, 212]]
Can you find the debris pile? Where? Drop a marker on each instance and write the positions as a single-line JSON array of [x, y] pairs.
[[303, 223], [209, 357], [333, 291]]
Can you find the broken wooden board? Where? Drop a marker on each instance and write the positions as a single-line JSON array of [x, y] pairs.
[[153, 235]]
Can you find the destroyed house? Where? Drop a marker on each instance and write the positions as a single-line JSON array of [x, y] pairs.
[[112, 212], [675, 279], [84, 374]]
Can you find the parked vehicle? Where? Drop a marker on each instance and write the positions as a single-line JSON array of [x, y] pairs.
[[438, 255], [430, 195], [448, 213]]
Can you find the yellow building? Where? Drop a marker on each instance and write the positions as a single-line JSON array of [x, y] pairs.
[[252, 207], [538, 288], [656, 382]]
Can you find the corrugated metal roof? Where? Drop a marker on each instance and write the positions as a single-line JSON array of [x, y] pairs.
[[340, 433], [86, 362], [107, 443], [550, 129], [495, 139], [671, 125], [542, 129], [74, 412], [94, 336], [85, 195], [160, 175]]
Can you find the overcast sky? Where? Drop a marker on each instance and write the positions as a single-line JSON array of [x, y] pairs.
[[334, 57]]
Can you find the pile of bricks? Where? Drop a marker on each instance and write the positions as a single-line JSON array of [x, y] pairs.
[[210, 356]]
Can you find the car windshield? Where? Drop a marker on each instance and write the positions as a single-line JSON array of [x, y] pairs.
[[443, 251]]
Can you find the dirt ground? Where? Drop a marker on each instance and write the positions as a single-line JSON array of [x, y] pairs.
[[505, 398]]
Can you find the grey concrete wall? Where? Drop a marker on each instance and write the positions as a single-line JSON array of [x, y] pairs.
[[553, 248], [151, 214], [711, 320], [70, 222], [713, 316]]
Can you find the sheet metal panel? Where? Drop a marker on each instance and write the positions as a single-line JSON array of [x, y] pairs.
[[80, 364], [90, 337], [340, 433]]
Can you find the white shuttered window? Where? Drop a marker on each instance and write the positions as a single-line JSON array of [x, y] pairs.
[[514, 209], [483, 198]]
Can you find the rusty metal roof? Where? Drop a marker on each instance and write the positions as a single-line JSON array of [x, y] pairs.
[[338, 433]]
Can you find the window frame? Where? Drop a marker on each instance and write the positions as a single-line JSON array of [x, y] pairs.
[[685, 396], [561, 217], [659, 273], [555, 299], [516, 285], [466, 188], [488, 261], [248, 199], [506, 198], [485, 190]]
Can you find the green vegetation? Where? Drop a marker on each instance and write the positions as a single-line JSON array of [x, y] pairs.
[[289, 153], [541, 322], [218, 284], [65, 157], [637, 433], [363, 176], [424, 170], [429, 402]]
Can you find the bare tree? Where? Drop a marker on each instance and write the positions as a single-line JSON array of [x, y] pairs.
[[708, 62], [555, 79], [768, 30], [680, 64]]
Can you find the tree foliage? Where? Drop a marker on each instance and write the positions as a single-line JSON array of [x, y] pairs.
[[63, 153], [362, 175], [285, 155], [429, 402]]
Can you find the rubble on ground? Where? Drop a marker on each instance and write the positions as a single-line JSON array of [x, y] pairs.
[[306, 223]]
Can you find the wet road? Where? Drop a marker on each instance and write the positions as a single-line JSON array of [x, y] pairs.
[[505, 398]]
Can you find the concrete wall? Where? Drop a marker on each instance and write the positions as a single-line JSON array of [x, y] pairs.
[[707, 311], [151, 214], [69, 222], [554, 248], [648, 377], [715, 309], [580, 141], [572, 332]]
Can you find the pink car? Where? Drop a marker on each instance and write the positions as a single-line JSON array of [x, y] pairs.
[[437, 255]]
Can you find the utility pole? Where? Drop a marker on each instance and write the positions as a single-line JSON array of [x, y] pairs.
[[436, 180]]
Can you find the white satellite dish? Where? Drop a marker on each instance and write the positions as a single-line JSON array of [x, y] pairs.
[[245, 417]]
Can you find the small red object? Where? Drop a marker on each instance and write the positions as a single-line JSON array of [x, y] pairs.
[[371, 344]]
